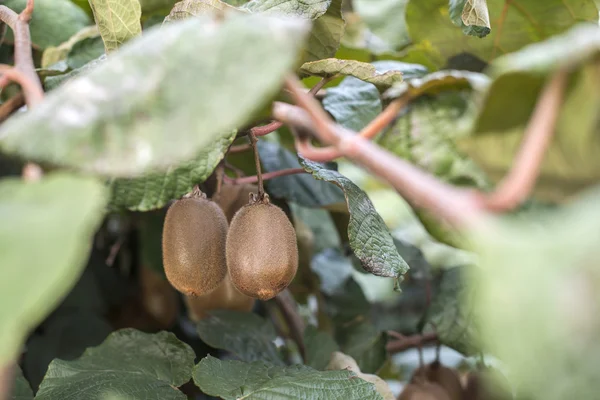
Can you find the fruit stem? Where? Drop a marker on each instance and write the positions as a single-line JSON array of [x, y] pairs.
[[220, 175], [261, 189]]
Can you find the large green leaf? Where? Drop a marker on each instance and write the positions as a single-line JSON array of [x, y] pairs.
[[369, 237], [319, 347], [84, 51], [193, 8], [365, 343], [538, 296], [53, 55], [45, 236], [233, 380], [247, 335], [311, 9], [514, 25], [130, 363], [117, 20], [54, 21], [472, 16], [386, 20], [503, 116], [354, 103], [326, 34], [156, 189], [128, 115], [21, 389], [302, 189]]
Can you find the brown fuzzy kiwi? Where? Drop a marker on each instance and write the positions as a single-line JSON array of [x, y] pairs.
[[233, 197], [487, 384], [225, 297], [423, 391], [443, 376], [262, 254], [193, 245]]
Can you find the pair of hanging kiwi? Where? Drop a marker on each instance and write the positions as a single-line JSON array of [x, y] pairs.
[[436, 382], [206, 258]]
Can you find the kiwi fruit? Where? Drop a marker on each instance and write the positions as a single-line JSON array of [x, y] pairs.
[[487, 384], [262, 253], [225, 297], [233, 197], [442, 376], [193, 245], [423, 391]]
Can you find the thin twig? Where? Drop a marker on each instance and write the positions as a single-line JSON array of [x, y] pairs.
[[265, 129], [220, 176], [289, 310], [7, 377], [33, 93], [237, 171], [11, 105], [115, 248], [315, 89], [261, 187], [239, 148], [409, 342], [518, 183], [267, 176]]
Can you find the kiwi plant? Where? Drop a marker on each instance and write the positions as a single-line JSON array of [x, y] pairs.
[[443, 376], [423, 390], [233, 197], [193, 245]]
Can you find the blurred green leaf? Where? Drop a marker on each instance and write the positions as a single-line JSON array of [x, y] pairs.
[[451, 313], [503, 116], [369, 237], [321, 224], [326, 34], [365, 343], [333, 269], [311, 9], [128, 116], [21, 389], [53, 55], [472, 16], [54, 21], [537, 298], [233, 380], [193, 8], [246, 335], [354, 103], [84, 51], [319, 347], [358, 37], [436, 38], [129, 362], [52, 82], [386, 19], [118, 21], [302, 189], [156, 189], [152, 6], [45, 236], [331, 67]]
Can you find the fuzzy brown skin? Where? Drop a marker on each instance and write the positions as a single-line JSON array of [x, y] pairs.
[[487, 384], [262, 254], [225, 297], [443, 376], [233, 197], [423, 391], [193, 245]]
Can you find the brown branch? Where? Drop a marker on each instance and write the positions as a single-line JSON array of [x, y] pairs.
[[11, 105], [265, 129], [408, 342], [239, 148], [259, 177], [267, 176], [519, 182], [289, 310]]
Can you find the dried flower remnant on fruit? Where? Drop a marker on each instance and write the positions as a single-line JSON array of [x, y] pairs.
[[193, 245]]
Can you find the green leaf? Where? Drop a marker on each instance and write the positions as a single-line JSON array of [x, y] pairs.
[[319, 347], [45, 237], [519, 23], [501, 121], [365, 72], [326, 34], [129, 362], [84, 51], [154, 190], [118, 21], [52, 82], [193, 8], [365, 343], [310, 9], [128, 116], [451, 312], [355, 103], [320, 223], [53, 55], [232, 380], [302, 189], [386, 19], [539, 274], [153, 6], [53, 23], [437, 82], [21, 389], [246, 335], [472, 16], [333, 269], [369, 237]]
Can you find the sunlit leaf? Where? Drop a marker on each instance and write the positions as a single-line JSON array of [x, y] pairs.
[[117, 20]]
